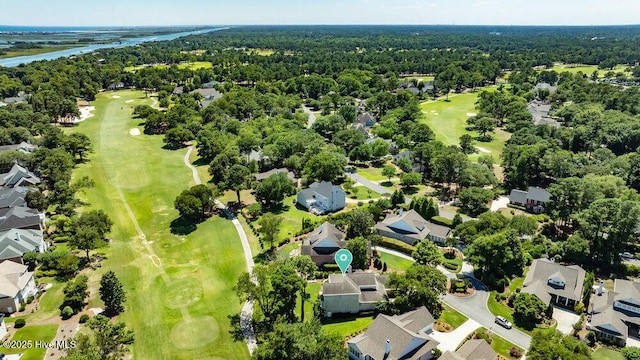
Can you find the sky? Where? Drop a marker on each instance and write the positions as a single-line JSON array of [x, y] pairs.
[[248, 12]]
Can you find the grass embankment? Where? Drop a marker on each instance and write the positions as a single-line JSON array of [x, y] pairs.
[[30, 52], [29, 335], [395, 262], [179, 287], [448, 120]]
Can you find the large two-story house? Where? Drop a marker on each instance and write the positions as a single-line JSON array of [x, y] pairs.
[[322, 197], [352, 293], [410, 227], [16, 285], [554, 283], [322, 244], [396, 337], [534, 199], [616, 314]]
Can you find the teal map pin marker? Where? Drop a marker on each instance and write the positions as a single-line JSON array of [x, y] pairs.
[[343, 258]]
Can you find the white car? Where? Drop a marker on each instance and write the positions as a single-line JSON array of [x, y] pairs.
[[503, 322]]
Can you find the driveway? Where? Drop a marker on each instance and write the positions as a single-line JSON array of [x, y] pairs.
[[565, 319], [499, 203], [451, 340], [475, 307], [312, 116]]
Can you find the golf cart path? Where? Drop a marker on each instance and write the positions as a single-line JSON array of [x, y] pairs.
[[246, 315]]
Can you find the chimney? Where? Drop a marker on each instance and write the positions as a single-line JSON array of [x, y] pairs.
[[600, 288], [17, 236], [387, 348]]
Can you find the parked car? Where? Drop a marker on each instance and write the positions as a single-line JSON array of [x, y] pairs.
[[626, 255], [503, 322]]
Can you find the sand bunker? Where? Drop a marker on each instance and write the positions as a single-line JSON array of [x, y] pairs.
[[129, 101], [85, 113], [471, 114], [96, 311], [483, 150], [134, 132], [116, 96]]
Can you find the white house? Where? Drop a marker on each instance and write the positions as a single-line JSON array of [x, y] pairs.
[[322, 197]]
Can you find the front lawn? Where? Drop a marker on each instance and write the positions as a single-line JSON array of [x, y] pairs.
[[452, 317], [395, 262], [500, 345], [372, 173], [362, 193], [30, 334]]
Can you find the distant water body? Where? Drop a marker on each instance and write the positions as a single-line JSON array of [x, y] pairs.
[[15, 61]]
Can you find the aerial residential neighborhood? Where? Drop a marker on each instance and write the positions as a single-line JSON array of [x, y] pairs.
[[312, 185]]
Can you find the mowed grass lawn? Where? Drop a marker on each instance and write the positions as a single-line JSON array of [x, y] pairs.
[[395, 262], [607, 354], [179, 288], [448, 120], [32, 333]]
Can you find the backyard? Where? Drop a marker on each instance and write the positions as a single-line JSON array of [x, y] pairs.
[[29, 335], [177, 286]]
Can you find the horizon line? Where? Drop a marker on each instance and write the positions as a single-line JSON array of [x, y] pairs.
[[320, 24]]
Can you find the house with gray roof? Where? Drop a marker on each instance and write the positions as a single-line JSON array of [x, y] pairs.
[[477, 349], [20, 98], [616, 314], [534, 199], [12, 197], [18, 176], [16, 285], [352, 293], [410, 227], [15, 243], [366, 119], [554, 283], [322, 197], [405, 336], [20, 217], [24, 147], [263, 175], [322, 244]]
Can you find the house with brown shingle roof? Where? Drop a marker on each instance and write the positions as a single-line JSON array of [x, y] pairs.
[[396, 337], [616, 314], [352, 293], [476, 349], [554, 283], [322, 244]]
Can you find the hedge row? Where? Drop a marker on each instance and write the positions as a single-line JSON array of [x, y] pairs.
[[397, 245], [441, 221]]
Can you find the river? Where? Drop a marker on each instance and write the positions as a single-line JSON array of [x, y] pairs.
[[15, 61]]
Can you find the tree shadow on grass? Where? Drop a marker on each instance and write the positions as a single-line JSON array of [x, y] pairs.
[[387, 183], [201, 162], [410, 190], [182, 226], [279, 208]]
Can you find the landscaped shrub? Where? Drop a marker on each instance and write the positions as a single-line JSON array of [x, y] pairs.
[[20, 323], [591, 338], [396, 245], [579, 308], [84, 318], [501, 284], [29, 299], [511, 298], [450, 265], [441, 221], [23, 306], [67, 312], [515, 352]]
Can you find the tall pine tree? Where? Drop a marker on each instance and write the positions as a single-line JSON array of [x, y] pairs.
[[112, 294]]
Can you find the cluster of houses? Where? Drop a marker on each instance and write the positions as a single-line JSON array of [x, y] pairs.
[[21, 231]]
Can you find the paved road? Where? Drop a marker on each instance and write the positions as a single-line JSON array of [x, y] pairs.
[[246, 315], [475, 307]]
